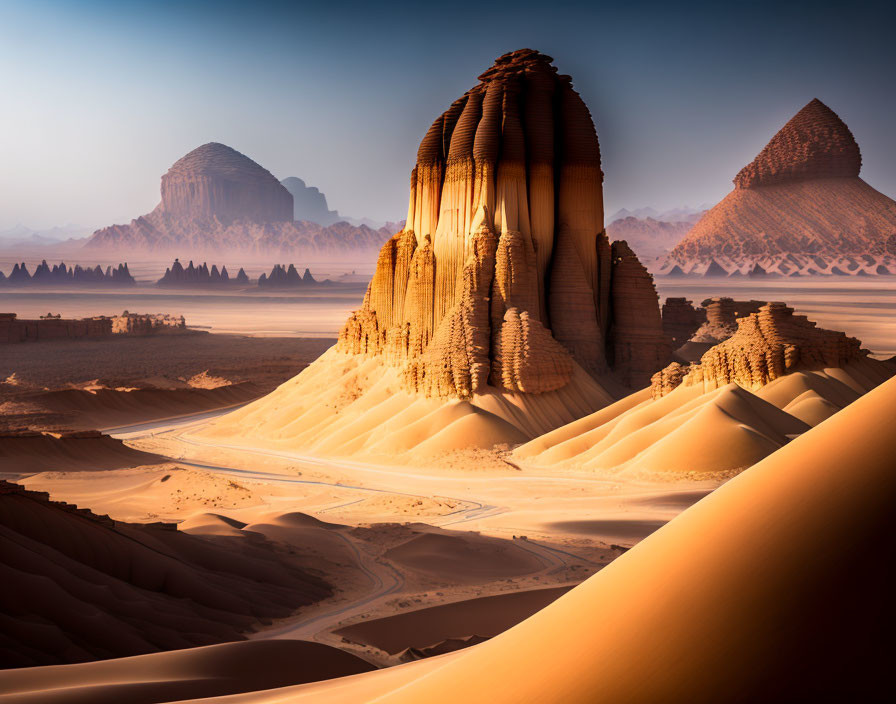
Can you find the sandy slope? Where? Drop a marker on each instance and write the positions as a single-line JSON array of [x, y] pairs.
[[702, 431], [485, 616], [40, 452], [351, 405], [776, 587], [207, 671]]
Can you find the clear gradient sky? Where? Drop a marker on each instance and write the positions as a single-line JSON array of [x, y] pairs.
[[98, 98]]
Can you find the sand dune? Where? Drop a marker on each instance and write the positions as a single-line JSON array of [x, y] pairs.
[[213, 670], [462, 558], [166, 492], [776, 587], [422, 628], [351, 405], [103, 407], [41, 452], [78, 586], [704, 431]]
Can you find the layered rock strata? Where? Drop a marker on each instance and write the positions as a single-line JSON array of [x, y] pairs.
[[503, 275], [768, 344], [681, 319], [216, 181], [799, 208]]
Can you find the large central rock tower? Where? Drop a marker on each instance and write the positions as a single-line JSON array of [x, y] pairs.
[[503, 275]]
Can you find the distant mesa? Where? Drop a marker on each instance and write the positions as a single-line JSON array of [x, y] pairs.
[[215, 199], [62, 275], [309, 203], [501, 310], [216, 181], [799, 208]]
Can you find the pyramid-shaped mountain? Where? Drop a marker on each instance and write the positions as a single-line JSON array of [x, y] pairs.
[[798, 207]]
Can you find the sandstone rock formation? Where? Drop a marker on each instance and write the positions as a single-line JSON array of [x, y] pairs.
[[504, 275], [498, 313], [721, 318], [309, 203], [798, 208], [15, 329], [148, 324], [768, 344], [215, 199], [66, 276], [681, 320]]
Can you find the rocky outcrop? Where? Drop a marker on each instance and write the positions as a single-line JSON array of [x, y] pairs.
[[309, 203], [503, 276], [721, 318], [15, 329], [215, 199], [148, 324], [799, 208], [681, 319], [768, 344], [64, 275]]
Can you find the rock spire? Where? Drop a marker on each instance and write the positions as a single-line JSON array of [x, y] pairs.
[[503, 275]]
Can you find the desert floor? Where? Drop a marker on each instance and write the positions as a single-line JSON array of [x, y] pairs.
[[415, 554]]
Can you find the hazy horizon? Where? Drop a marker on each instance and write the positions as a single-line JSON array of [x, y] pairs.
[[102, 97]]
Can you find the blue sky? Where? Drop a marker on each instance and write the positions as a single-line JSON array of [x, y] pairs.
[[97, 99]]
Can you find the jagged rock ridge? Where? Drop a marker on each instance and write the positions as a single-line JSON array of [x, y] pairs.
[[63, 275], [799, 208], [503, 274]]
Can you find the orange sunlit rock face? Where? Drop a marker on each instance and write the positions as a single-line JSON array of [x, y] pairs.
[[504, 275]]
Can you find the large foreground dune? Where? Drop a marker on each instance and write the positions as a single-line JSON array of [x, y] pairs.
[[776, 587]]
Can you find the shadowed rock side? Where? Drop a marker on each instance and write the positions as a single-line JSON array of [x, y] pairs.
[[799, 208], [767, 345], [503, 275], [215, 199], [309, 203]]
